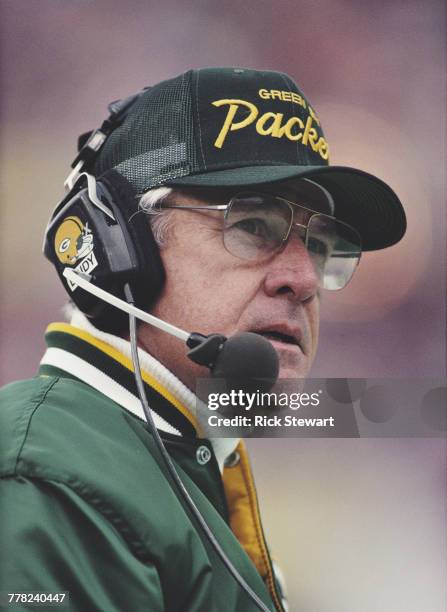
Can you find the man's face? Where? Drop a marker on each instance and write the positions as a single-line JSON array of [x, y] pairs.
[[209, 290]]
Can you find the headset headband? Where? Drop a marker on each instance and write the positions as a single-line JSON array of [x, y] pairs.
[[90, 143], [114, 245]]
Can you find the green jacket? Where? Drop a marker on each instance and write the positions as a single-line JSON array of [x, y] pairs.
[[86, 506]]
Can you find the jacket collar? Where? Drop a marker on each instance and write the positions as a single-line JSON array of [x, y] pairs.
[[104, 362], [100, 365]]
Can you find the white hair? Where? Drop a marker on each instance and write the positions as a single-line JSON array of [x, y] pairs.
[[159, 219]]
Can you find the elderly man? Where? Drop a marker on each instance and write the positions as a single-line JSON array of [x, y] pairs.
[[247, 221]]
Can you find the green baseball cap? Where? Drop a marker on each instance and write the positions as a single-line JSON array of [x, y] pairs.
[[237, 127]]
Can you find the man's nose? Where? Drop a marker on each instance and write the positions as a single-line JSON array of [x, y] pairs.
[[291, 272]]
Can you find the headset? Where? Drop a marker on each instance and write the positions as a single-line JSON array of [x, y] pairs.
[[123, 247], [107, 258]]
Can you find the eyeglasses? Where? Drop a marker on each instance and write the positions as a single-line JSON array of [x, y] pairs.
[[258, 225]]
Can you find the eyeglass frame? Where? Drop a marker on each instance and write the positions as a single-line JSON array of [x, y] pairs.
[[227, 207]]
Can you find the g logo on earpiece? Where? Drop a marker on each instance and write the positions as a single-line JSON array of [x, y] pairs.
[[72, 241]]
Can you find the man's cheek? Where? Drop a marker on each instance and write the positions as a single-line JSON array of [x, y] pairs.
[[315, 328]]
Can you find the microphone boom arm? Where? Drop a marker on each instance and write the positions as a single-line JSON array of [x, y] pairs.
[[79, 279]]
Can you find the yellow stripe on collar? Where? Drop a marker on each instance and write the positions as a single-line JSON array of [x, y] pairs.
[[245, 519], [127, 363]]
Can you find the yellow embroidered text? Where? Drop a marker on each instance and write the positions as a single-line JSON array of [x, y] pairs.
[[271, 124]]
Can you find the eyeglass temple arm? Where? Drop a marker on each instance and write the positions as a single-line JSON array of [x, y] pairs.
[[186, 207]]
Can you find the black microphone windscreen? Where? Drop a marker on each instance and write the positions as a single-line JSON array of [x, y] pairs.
[[247, 361]]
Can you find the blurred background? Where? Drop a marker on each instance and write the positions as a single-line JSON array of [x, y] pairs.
[[357, 524]]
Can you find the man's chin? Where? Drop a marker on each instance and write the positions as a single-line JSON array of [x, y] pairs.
[[289, 382], [293, 364], [293, 368]]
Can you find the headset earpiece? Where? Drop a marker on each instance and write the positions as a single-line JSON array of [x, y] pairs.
[[110, 242]]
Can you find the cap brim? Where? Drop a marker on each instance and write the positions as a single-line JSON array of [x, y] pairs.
[[361, 199]]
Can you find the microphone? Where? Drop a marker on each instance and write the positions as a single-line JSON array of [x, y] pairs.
[[245, 361]]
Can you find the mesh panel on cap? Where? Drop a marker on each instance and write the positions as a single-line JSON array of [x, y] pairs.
[[155, 142]]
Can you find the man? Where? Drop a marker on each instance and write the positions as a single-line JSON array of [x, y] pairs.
[[247, 223]]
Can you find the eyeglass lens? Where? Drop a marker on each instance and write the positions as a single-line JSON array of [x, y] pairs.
[[257, 225]]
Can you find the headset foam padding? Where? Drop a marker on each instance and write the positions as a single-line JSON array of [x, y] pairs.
[[110, 251], [147, 277]]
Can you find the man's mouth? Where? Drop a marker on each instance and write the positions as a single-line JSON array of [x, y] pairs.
[[279, 337]]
